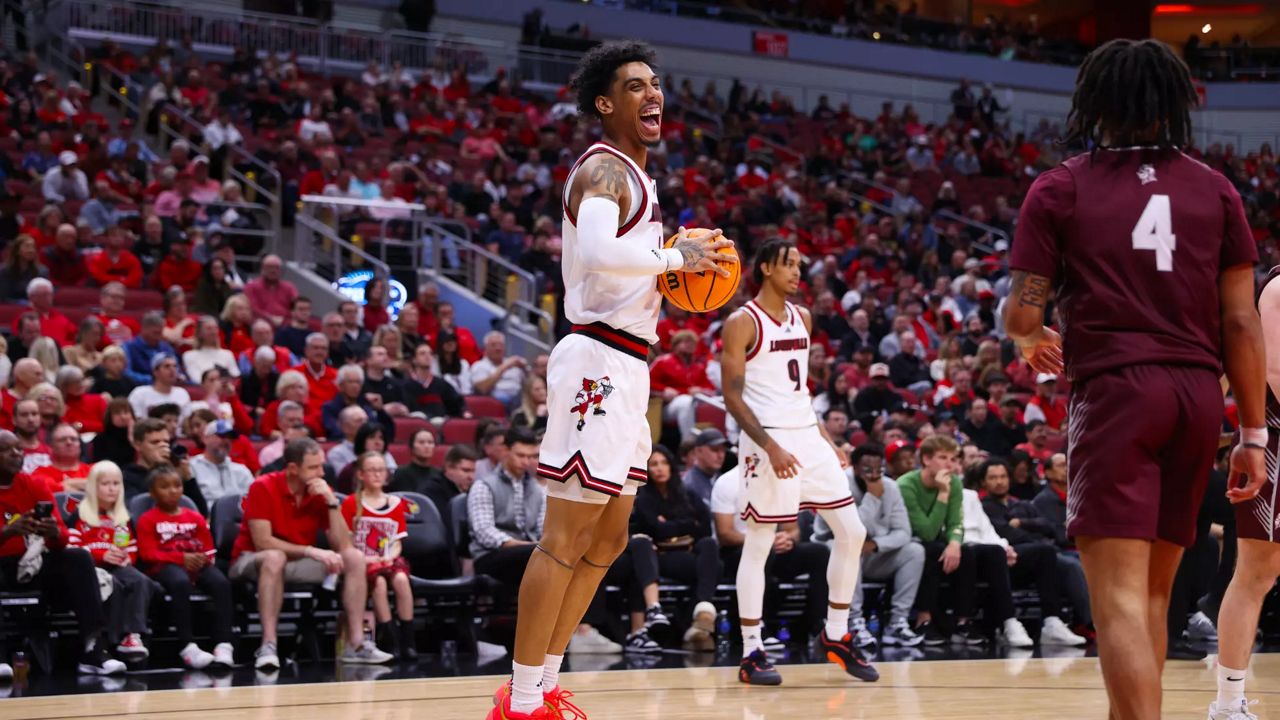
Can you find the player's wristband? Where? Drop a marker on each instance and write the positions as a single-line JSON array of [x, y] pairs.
[[1253, 437]]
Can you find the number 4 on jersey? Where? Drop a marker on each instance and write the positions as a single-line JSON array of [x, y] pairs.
[[1154, 231]]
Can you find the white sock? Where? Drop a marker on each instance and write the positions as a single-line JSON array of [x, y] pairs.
[[752, 639], [551, 672], [1230, 687], [837, 622], [526, 687]]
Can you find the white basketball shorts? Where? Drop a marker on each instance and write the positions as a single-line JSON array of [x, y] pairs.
[[821, 483], [597, 441]]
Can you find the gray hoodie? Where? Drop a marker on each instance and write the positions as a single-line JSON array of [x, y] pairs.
[[885, 517]]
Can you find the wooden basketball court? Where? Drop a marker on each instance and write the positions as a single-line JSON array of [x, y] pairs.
[[1016, 689]]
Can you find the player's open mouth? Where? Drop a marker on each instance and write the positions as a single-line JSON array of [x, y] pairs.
[[651, 118]]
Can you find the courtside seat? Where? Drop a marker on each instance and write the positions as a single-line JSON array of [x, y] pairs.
[[436, 573]]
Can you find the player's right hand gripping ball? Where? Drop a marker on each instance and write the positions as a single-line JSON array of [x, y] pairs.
[[700, 292]]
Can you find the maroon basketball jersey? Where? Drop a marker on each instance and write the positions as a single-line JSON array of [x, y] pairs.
[[1134, 240], [1273, 404]]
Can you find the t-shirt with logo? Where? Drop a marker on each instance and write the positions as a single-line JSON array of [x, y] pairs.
[[376, 531], [164, 538]]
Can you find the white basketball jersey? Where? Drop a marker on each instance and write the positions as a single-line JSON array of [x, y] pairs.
[[629, 304], [776, 383]]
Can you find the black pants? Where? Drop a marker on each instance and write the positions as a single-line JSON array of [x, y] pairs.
[[1038, 566], [698, 566], [68, 581], [178, 584], [984, 563], [805, 557], [130, 603], [634, 570], [506, 565]]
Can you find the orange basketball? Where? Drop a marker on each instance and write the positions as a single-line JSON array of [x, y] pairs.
[[701, 291]]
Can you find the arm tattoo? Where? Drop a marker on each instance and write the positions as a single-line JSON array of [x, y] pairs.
[[747, 420], [609, 178], [1029, 290]]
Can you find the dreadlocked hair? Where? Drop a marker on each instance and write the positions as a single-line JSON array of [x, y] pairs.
[[1126, 89], [595, 71], [770, 252]]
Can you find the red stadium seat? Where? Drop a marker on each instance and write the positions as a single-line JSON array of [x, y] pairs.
[[483, 406], [459, 430], [708, 414], [401, 452], [438, 459], [406, 426]]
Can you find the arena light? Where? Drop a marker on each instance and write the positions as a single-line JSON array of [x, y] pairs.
[[1207, 27], [875, 35], [1190, 9]]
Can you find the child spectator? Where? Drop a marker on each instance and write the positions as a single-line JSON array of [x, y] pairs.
[[377, 523], [177, 548], [103, 529]]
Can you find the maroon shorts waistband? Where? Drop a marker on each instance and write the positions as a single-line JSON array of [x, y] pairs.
[[618, 340]]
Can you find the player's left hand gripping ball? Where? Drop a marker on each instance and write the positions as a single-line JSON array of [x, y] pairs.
[[709, 283]]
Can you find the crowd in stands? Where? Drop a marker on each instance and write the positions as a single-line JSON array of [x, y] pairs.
[[188, 381]]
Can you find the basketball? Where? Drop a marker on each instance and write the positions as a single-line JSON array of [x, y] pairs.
[[700, 292]]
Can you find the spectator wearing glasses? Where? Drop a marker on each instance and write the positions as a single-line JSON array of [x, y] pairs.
[[66, 472], [888, 552], [213, 469]]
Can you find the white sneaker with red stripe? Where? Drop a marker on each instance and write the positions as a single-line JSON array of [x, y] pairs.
[[132, 645]]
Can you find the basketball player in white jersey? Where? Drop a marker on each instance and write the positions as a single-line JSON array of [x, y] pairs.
[[787, 460], [1258, 532], [597, 442]]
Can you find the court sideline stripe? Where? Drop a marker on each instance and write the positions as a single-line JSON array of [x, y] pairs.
[[1057, 688]]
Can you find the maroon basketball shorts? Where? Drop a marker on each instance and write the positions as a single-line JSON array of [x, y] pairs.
[[1141, 444], [1258, 518]]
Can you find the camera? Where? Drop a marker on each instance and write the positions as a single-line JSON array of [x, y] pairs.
[[178, 453], [44, 510]]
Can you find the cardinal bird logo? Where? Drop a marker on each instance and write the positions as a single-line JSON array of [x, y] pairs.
[[591, 397]]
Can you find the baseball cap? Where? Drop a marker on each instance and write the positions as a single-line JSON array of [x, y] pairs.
[[1046, 378], [67, 157], [985, 294], [971, 263], [879, 370], [221, 428], [710, 438], [159, 358], [1002, 246], [893, 448]]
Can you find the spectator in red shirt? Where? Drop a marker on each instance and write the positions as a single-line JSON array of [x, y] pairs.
[[677, 378], [376, 293], [65, 575], [678, 319], [115, 262], [322, 379], [84, 411], [237, 317], [315, 181], [468, 349], [26, 425], [66, 265], [118, 328], [177, 268], [283, 513], [1037, 438], [53, 324], [67, 473], [427, 301], [269, 294], [1046, 405]]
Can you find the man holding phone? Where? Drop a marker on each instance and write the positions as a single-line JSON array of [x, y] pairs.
[[65, 575]]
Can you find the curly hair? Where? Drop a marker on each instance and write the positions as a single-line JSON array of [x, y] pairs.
[[1127, 87], [595, 71]]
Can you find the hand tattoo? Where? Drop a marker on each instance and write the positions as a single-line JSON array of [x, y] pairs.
[[693, 251]]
